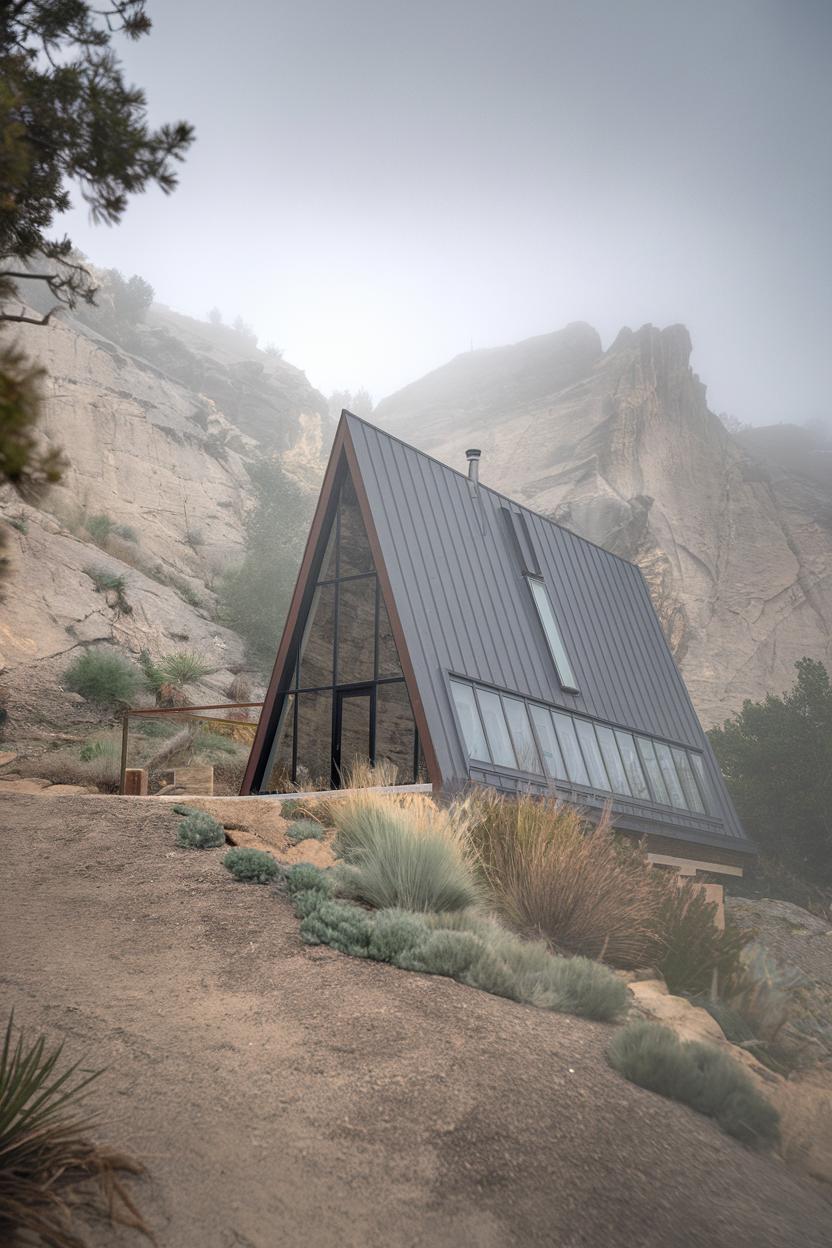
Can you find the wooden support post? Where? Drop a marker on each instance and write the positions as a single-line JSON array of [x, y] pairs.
[[125, 724], [135, 781]]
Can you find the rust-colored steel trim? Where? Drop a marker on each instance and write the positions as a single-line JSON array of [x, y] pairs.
[[294, 608], [432, 761], [187, 710]]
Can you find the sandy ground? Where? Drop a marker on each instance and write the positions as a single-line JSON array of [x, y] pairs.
[[288, 1096]]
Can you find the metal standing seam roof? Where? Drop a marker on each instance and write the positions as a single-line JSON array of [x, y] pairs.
[[464, 610]]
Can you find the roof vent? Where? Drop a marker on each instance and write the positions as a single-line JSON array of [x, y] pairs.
[[473, 457]]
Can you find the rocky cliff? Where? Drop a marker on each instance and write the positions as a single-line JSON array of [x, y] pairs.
[[159, 422], [733, 536]]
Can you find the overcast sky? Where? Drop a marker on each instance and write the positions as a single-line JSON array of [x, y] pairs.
[[376, 186]]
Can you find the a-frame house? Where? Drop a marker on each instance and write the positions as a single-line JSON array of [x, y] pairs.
[[445, 628]]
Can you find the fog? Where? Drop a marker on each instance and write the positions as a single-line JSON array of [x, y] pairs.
[[376, 187]]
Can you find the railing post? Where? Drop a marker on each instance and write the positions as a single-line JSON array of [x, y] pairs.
[[125, 721]]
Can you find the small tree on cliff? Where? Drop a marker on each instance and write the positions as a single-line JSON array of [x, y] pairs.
[[255, 598], [66, 117], [777, 759]]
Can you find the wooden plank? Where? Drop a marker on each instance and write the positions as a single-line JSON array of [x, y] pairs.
[[135, 781], [715, 868]]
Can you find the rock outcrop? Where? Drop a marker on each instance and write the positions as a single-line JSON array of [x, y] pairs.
[[159, 423], [620, 446]]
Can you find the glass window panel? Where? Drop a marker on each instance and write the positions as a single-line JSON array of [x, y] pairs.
[[612, 760], [356, 630], [632, 764], [495, 728], [278, 778], [521, 734], [550, 627], [354, 741], [469, 719], [395, 729], [388, 655], [592, 755], [698, 764], [654, 772], [354, 551], [685, 773], [674, 788], [422, 776], [318, 645], [314, 740], [553, 763], [568, 739], [327, 572]]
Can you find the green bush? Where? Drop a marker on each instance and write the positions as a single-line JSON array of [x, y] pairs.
[[473, 950], [102, 677], [174, 672], [293, 809], [93, 749], [181, 809], [339, 925], [103, 579], [689, 946], [697, 1074], [251, 866], [303, 877], [200, 831], [395, 934], [305, 830], [99, 528], [410, 858], [305, 900]]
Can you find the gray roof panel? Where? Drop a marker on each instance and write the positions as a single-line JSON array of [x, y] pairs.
[[464, 608]]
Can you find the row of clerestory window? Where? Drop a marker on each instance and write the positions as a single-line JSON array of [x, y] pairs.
[[513, 732]]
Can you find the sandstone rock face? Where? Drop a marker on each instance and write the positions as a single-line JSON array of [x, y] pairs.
[[620, 446], [148, 448]]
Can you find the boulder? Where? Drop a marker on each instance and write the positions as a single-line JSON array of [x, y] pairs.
[[28, 785]]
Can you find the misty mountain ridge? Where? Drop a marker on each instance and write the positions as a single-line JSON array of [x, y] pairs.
[[733, 533], [164, 417]]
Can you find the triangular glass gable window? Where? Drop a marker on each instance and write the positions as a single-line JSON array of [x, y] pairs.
[[347, 703]]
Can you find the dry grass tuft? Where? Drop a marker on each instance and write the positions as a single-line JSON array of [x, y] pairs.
[[552, 874], [416, 856]]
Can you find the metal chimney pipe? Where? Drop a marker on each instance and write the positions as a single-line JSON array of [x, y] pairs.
[[473, 457]]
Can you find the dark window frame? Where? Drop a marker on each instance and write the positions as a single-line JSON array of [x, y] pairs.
[[295, 689], [536, 777]]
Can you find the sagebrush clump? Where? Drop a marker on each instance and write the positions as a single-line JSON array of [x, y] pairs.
[[697, 1074], [200, 831], [305, 830], [461, 945], [251, 866]]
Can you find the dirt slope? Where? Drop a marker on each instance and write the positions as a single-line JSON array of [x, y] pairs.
[[289, 1096]]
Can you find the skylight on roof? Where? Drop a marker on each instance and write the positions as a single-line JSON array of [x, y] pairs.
[[557, 649]]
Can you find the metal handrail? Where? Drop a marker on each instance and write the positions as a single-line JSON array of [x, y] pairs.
[[175, 710]]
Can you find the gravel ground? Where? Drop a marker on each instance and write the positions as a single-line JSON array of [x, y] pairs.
[[282, 1095]]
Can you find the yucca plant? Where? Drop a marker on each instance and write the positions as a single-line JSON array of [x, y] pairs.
[[169, 676], [45, 1154]]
